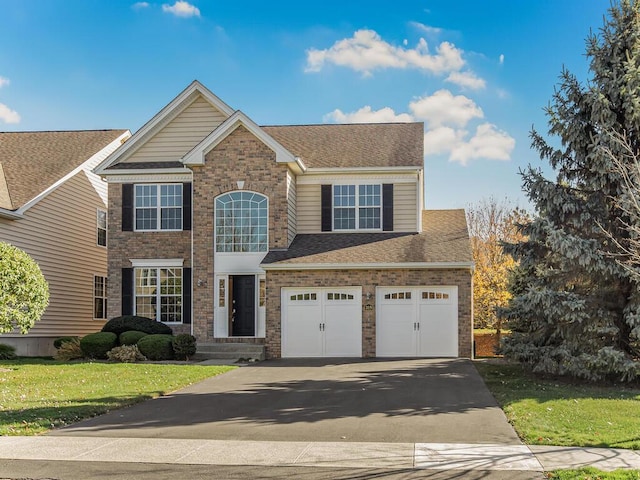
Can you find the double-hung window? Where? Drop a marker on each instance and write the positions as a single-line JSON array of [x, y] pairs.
[[158, 207], [99, 297], [357, 207], [101, 227], [158, 293]]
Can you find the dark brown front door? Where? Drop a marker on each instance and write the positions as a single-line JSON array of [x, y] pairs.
[[243, 305]]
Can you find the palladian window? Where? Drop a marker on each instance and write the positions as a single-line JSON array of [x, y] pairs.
[[241, 222]]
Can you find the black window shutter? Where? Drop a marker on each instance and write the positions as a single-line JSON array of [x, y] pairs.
[[186, 206], [127, 207], [127, 291], [186, 295], [387, 207], [325, 209]]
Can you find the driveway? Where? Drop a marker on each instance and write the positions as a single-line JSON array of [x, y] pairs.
[[418, 400]]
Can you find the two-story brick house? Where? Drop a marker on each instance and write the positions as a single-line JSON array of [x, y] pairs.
[[310, 239]]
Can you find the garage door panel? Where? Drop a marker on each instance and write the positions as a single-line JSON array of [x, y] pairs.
[[417, 321], [330, 325], [395, 336]]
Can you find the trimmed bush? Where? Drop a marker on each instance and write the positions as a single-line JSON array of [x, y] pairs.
[[57, 343], [69, 350], [96, 345], [184, 346], [125, 323], [7, 352], [131, 337], [125, 354], [156, 347]]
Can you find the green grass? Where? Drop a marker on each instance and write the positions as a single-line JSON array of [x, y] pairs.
[[590, 473], [37, 395], [555, 412]]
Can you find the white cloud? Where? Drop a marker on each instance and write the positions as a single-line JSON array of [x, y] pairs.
[[140, 5], [426, 28], [7, 115], [367, 115], [442, 140], [182, 9], [442, 108], [501, 59], [4, 81], [488, 142], [466, 80], [366, 51]]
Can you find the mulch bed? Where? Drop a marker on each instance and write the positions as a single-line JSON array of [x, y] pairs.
[[486, 344]]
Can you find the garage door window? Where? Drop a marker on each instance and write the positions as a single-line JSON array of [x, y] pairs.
[[339, 296], [303, 296], [398, 296], [435, 296]]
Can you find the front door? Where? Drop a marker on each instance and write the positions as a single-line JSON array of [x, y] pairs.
[[243, 318]]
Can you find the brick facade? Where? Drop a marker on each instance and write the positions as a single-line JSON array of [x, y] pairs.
[[369, 280], [123, 246], [240, 157]]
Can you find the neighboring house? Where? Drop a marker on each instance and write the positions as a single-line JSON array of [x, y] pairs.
[[55, 208], [309, 239]]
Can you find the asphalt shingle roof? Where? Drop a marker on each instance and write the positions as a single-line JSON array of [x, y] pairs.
[[33, 161], [353, 145], [444, 239]]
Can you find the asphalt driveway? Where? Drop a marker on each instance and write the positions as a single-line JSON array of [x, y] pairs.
[[418, 400]]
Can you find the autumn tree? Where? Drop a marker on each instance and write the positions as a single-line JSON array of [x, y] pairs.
[[491, 222], [576, 308], [24, 293]]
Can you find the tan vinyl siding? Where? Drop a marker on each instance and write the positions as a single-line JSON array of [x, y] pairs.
[[291, 210], [181, 134], [308, 208], [405, 208], [59, 232]]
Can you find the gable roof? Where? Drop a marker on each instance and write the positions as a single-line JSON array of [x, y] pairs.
[[31, 162], [444, 242], [163, 117], [358, 145]]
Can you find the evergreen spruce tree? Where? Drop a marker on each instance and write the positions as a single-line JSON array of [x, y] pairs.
[[575, 308]]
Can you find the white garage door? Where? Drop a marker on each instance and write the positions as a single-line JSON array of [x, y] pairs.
[[417, 321], [322, 322]]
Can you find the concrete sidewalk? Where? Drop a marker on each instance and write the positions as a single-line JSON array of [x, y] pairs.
[[417, 456]]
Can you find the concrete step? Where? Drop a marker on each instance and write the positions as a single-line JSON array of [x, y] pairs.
[[230, 351]]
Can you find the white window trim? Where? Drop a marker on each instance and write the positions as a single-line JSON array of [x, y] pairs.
[[215, 220], [159, 264], [158, 209], [106, 227], [355, 207], [104, 297], [156, 262]]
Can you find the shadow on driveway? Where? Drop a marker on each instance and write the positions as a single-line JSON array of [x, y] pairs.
[[421, 400]]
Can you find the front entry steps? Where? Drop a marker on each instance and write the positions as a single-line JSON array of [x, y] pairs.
[[230, 351]]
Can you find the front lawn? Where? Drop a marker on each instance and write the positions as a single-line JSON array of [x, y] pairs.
[[38, 395], [590, 473], [555, 412]]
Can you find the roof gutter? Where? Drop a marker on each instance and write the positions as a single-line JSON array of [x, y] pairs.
[[10, 214], [367, 266]]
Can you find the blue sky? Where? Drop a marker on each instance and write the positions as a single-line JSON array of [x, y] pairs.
[[477, 73]]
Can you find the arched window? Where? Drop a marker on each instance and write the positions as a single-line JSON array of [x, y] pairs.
[[241, 222]]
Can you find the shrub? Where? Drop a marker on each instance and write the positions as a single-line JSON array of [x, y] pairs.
[[131, 337], [156, 347], [69, 350], [125, 323], [125, 354], [96, 345], [7, 352], [184, 346], [57, 343]]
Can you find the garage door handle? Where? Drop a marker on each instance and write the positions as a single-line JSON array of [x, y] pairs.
[[418, 324], [322, 327]]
